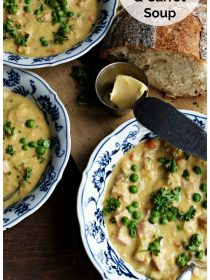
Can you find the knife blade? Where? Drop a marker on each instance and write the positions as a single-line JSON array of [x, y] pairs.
[[171, 125]]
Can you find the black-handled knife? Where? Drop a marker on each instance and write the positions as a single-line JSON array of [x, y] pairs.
[[171, 125]]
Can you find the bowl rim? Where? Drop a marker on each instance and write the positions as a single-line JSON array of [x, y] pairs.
[[68, 150], [120, 128], [68, 57]]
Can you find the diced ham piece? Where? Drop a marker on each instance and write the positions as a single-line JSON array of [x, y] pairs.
[[202, 221], [143, 257], [159, 262], [123, 237], [6, 166]]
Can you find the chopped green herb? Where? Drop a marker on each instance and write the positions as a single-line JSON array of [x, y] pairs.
[[27, 9], [154, 247], [111, 205], [10, 150], [39, 11], [186, 174], [199, 255], [21, 40], [169, 164], [189, 215], [10, 6], [8, 129], [61, 35], [194, 243], [28, 173], [80, 74], [182, 259], [27, 2]]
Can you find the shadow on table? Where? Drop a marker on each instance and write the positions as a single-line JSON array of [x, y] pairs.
[[47, 245]]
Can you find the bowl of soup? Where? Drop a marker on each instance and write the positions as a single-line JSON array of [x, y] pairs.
[[47, 33], [142, 206], [36, 143]]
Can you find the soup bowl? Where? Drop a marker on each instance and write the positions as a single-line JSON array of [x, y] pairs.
[[92, 191], [100, 29], [38, 91]]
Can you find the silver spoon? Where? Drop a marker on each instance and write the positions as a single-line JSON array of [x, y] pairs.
[[188, 272]]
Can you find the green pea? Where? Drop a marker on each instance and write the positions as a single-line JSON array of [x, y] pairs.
[[27, 9], [133, 189], [179, 227], [25, 147], [199, 254], [134, 177], [125, 221], [135, 204], [155, 213], [130, 208], [132, 224], [30, 123], [46, 144], [153, 219], [204, 204], [41, 150], [23, 141], [196, 239], [44, 42], [198, 170], [137, 215], [134, 167], [203, 187], [32, 144], [196, 197], [40, 142], [182, 259], [163, 221], [132, 232]]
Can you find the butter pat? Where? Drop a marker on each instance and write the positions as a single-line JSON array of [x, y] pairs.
[[126, 91]]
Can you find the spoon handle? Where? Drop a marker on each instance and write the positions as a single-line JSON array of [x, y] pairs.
[[187, 274]]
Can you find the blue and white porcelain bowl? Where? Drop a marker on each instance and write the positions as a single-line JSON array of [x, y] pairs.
[[106, 16], [91, 195], [36, 89]]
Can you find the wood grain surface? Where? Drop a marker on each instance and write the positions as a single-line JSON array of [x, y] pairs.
[[47, 245], [89, 125]]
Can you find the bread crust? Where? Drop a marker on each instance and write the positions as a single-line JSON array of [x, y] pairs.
[[187, 37]]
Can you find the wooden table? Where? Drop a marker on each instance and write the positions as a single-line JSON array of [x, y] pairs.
[[47, 245], [90, 125]]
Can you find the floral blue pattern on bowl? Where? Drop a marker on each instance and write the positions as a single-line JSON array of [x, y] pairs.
[[92, 190], [35, 88], [106, 16]]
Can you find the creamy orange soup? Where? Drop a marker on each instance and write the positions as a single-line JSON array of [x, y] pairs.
[[40, 28], [155, 210]]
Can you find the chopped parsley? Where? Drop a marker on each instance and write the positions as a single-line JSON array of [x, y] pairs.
[[111, 205], [61, 35], [154, 247], [10, 6], [80, 74], [28, 174], [10, 150], [169, 164], [8, 129]]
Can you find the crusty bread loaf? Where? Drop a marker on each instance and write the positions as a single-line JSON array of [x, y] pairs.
[[173, 57]]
